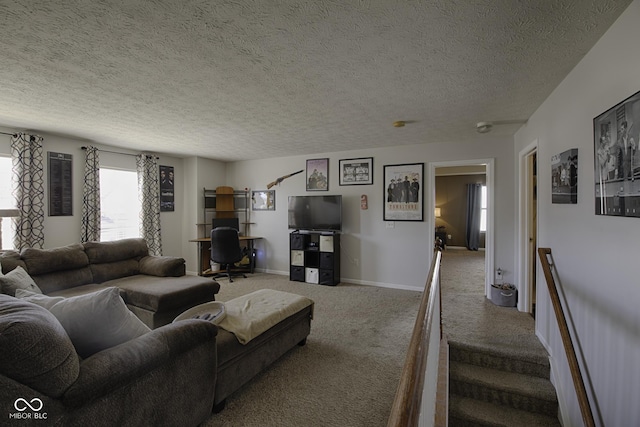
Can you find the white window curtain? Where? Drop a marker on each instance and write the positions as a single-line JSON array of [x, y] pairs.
[[149, 193], [90, 229], [28, 189]]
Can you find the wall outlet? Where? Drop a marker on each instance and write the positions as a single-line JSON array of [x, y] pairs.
[[391, 224], [356, 261], [449, 236]]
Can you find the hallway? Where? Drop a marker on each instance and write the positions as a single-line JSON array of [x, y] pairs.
[[469, 317]]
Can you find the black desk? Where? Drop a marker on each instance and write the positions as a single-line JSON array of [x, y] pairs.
[[204, 245]]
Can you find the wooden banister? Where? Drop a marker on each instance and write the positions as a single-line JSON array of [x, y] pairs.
[[406, 405], [578, 382]]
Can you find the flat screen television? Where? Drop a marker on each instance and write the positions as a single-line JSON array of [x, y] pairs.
[[315, 213]]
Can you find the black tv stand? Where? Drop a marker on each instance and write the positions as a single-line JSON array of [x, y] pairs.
[[314, 257]]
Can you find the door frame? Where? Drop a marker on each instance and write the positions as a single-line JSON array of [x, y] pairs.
[[489, 165], [524, 255]]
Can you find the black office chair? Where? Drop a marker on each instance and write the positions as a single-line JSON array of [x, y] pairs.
[[225, 249]]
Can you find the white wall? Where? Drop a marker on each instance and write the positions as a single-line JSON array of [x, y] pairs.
[[199, 174], [596, 256], [371, 253], [64, 230]]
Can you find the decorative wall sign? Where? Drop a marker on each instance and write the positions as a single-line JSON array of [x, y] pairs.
[[60, 167], [318, 175], [403, 192], [616, 136], [356, 171], [167, 186], [263, 200], [564, 177]]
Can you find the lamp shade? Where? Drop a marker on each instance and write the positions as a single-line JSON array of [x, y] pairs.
[[438, 212], [6, 213]]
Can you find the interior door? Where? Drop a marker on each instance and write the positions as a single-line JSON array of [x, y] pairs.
[[532, 227]]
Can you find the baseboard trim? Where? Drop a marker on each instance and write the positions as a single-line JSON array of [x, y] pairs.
[[354, 281]]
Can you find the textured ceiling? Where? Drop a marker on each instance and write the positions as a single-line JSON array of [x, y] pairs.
[[248, 79]]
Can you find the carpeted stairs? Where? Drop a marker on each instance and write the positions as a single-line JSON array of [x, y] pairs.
[[490, 387]]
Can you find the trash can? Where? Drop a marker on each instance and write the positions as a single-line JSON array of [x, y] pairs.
[[505, 295]]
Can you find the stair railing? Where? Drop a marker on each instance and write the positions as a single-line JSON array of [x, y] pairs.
[[569, 348], [415, 400]]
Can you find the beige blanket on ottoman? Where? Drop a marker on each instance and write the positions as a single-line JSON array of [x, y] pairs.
[[250, 315]]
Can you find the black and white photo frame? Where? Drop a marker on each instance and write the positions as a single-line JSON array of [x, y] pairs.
[[404, 192], [356, 171]]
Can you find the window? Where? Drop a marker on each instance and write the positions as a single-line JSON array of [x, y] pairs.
[[6, 201], [483, 209], [119, 204]]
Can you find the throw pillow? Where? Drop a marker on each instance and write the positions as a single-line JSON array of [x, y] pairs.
[[94, 321], [16, 279], [39, 299]]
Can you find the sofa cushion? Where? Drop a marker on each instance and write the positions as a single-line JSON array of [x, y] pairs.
[[78, 290], [10, 259], [94, 321], [17, 278], [36, 350], [42, 261], [162, 266], [165, 293], [59, 280], [117, 250], [112, 270]]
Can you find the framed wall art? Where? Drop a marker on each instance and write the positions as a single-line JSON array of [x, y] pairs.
[[264, 200], [564, 177], [60, 184], [403, 192], [616, 134], [167, 186], [318, 175], [356, 171]]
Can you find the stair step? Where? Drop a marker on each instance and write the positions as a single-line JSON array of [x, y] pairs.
[[530, 364], [515, 390], [465, 412]]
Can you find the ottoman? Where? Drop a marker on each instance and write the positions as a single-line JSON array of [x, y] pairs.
[[258, 329]]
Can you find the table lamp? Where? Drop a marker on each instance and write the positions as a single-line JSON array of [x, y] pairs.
[[7, 213]]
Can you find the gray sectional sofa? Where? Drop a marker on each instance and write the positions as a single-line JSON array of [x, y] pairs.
[[154, 288], [160, 374], [165, 377]]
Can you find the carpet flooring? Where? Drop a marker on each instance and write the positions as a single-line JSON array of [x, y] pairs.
[[469, 317], [499, 370], [346, 374]]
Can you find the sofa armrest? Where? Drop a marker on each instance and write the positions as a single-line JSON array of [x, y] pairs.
[[118, 366], [162, 266]]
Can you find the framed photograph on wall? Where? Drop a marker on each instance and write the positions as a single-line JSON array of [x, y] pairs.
[[616, 136], [564, 177], [318, 175], [167, 186], [264, 200], [403, 192], [356, 171]]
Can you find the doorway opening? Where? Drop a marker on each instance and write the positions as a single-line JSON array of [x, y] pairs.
[[447, 207], [528, 228]]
